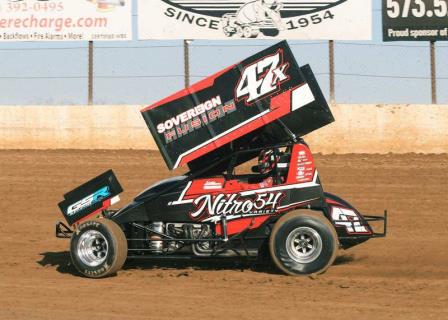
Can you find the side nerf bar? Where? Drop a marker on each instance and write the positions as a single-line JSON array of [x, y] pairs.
[[378, 218], [63, 231], [370, 218]]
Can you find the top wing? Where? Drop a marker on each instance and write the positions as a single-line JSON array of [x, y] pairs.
[[238, 104]]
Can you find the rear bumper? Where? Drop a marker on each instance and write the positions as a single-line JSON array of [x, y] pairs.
[[63, 231], [375, 234], [383, 218]]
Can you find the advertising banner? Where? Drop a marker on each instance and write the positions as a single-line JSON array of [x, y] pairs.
[[415, 20], [242, 102], [65, 20], [262, 19]]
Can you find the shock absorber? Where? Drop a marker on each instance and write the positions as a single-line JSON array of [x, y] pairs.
[[224, 227], [156, 244]]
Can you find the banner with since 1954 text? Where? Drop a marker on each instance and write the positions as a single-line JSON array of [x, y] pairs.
[[262, 19]]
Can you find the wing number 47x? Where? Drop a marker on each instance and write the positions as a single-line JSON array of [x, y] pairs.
[[262, 78]]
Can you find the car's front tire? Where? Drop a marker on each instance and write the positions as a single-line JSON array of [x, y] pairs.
[[98, 248], [303, 242]]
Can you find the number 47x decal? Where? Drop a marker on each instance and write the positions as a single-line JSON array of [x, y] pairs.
[[262, 78]]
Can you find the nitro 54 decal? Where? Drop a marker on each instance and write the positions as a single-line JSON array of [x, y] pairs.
[[212, 207], [88, 201], [262, 78], [348, 219]]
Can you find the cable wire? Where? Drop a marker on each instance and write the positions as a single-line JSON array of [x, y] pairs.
[[203, 76]]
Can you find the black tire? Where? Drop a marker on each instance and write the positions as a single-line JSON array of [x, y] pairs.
[[98, 248], [303, 242], [270, 32]]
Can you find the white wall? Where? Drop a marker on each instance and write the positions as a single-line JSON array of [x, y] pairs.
[[358, 128]]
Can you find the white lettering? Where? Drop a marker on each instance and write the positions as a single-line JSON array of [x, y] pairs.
[[232, 205], [189, 114], [256, 83]]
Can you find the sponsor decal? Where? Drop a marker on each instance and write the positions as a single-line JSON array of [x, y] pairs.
[[305, 167], [302, 165], [262, 78], [212, 207], [65, 20], [194, 118], [348, 219], [88, 201], [415, 20], [212, 185]]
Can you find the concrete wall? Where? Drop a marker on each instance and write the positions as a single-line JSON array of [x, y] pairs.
[[73, 127], [358, 128]]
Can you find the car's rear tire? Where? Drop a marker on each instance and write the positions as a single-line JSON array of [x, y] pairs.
[[98, 248], [303, 242]]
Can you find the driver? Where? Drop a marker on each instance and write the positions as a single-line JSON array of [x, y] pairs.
[[273, 163], [267, 161]]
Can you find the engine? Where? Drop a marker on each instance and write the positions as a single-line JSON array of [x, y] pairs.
[[161, 238]]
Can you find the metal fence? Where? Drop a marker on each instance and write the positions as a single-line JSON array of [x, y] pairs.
[[140, 72]]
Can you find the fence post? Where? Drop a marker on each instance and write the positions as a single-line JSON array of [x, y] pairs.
[[187, 63], [90, 81], [432, 49], [331, 63]]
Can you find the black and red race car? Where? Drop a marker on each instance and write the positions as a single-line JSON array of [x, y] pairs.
[[252, 186]]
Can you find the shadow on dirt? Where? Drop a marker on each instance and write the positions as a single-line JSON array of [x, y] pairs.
[[61, 260], [346, 259], [202, 264]]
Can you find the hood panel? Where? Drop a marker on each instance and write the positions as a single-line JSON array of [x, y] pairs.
[[158, 188]]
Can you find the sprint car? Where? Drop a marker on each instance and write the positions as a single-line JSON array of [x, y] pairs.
[[231, 26], [252, 186]]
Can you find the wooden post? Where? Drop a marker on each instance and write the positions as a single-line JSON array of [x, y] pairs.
[[433, 72], [331, 63], [90, 82], [187, 63]]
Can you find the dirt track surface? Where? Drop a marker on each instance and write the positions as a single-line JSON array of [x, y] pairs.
[[404, 276]]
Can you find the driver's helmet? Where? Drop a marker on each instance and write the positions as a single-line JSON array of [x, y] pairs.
[[267, 160]]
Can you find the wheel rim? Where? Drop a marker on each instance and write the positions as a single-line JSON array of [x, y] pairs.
[[304, 244], [92, 248], [239, 31], [247, 32]]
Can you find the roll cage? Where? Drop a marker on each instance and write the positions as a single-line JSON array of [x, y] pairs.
[[232, 160]]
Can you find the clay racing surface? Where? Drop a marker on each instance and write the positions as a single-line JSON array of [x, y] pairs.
[[404, 276]]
